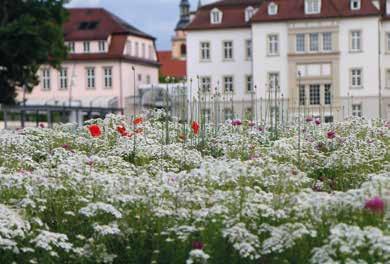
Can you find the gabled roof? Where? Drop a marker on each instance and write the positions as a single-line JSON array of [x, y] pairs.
[[233, 15], [295, 10], [171, 67], [107, 24], [87, 24]]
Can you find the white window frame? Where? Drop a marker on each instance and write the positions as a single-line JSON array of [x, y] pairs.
[[205, 84], [249, 84], [312, 7], [228, 52], [91, 78], [387, 76], [356, 77], [314, 94], [136, 53], [327, 41], [302, 94], [143, 49], [272, 9], [328, 89], [107, 77], [71, 46], [87, 46], [46, 80], [273, 44], [248, 49], [148, 79], [314, 45], [273, 80], [63, 78], [129, 46], [205, 51], [357, 110], [387, 40], [102, 46], [356, 41], [355, 4], [228, 84], [216, 16], [299, 44], [150, 52]]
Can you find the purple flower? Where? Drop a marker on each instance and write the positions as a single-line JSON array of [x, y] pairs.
[[197, 245], [375, 205], [318, 121], [331, 134], [66, 146], [236, 122]]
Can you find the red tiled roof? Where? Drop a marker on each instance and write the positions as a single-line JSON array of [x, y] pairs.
[[234, 12], [295, 10], [233, 15], [108, 24], [171, 67]]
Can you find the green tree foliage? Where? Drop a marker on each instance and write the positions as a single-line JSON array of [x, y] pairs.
[[31, 34]]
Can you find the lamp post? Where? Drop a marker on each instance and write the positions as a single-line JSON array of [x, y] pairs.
[[299, 119]]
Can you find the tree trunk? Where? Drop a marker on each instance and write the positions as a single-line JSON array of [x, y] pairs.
[[4, 13]]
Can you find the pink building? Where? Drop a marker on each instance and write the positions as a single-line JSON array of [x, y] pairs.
[[106, 54]]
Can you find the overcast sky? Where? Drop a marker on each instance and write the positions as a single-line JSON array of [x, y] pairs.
[[156, 17]]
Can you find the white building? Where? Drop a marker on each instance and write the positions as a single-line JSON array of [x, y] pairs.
[[327, 58]]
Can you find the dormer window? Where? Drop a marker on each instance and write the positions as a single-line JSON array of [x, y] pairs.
[[355, 4], [249, 11], [272, 9], [216, 16], [312, 7], [388, 7]]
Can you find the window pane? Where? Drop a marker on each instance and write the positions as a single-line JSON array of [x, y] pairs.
[[314, 42], [300, 43], [328, 94], [315, 97], [327, 39]]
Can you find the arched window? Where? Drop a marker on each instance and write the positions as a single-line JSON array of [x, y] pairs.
[[216, 16], [183, 49]]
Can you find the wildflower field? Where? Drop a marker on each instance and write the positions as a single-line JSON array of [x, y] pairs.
[[155, 190]]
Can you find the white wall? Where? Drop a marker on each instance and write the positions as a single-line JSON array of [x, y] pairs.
[[262, 63], [367, 59], [239, 67]]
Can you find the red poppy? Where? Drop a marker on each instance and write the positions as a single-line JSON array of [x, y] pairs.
[[195, 127], [138, 121], [122, 130], [95, 130]]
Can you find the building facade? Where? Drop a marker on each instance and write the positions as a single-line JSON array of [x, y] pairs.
[[328, 58], [108, 59]]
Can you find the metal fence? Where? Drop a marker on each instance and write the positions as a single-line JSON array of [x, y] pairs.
[[21, 116]]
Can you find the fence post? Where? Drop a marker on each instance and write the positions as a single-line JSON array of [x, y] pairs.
[[49, 121], [5, 116]]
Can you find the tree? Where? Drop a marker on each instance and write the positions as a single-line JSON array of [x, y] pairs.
[[31, 34]]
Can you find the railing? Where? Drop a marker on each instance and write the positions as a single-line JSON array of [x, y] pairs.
[[51, 114]]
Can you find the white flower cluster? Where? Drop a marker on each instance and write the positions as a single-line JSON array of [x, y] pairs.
[[171, 196]]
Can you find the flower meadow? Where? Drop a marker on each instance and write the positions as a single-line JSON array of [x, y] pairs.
[[156, 190]]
